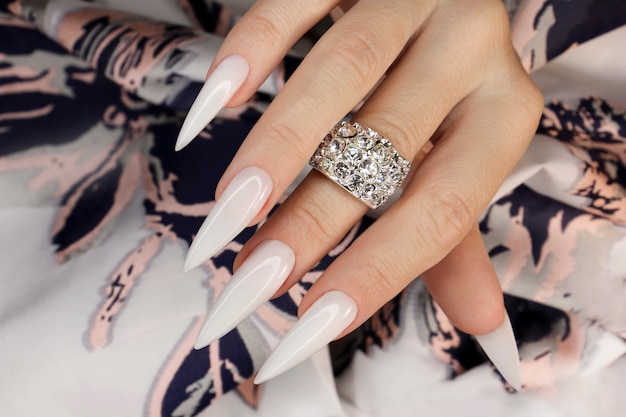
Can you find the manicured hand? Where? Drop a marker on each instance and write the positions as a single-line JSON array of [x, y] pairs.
[[447, 90]]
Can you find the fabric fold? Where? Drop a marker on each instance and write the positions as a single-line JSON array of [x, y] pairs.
[[88, 118]]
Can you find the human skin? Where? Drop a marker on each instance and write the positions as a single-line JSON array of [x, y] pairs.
[[453, 85]]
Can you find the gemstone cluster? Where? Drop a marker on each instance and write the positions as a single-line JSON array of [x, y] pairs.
[[361, 161]]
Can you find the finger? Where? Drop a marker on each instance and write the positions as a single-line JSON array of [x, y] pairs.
[[265, 34], [466, 286], [241, 65], [315, 217]]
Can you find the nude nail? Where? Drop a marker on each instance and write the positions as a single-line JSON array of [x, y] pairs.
[[256, 280], [501, 348], [217, 90], [327, 317], [236, 208]]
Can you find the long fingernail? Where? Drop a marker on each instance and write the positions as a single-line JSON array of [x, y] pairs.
[[241, 202], [221, 85], [501, 349], [321, 324], [256, 280]]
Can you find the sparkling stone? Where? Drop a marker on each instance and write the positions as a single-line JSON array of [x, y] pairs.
[[326, 164], [372, 134], [365, 141], [368, 190], [402, 162], [346, 131], [369, 168], [342, 170], [355, 182], [397, 175], [377, 199], [393, 170], [381, 179], [317, 157], [397, 180], [385, 190], [353, 154], [336, 146], [381, 154]]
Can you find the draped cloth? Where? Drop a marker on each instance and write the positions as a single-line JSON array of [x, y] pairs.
[[97, 210]]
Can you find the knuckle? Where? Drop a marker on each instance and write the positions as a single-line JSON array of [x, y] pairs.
[[534, 100], [521, 90], [489, 13], [311, 217], [488, 23], [285, 136], [449, 214], [268, 28], [531, 106], [362, 55], [399, 124], [380, 271]]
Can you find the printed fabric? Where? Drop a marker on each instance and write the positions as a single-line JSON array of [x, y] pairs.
[[92, 96]]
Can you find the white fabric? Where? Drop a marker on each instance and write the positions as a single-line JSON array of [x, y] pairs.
[[403, 380]]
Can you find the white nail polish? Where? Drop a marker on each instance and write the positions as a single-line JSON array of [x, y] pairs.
[[501, 348], [256, 280], [241, 202], [321, 324], [221, 85]]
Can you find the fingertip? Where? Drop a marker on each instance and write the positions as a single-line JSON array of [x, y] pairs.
[[466, 287], [483, 317], [475, 308]]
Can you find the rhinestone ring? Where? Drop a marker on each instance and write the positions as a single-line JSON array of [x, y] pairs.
[[362, 161]]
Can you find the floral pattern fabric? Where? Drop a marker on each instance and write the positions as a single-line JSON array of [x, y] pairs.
[[91, 101]]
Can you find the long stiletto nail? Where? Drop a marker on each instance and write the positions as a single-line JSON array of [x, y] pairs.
[[241, 202], [321, 324], [221, 85], [501, 348], [256, 280]]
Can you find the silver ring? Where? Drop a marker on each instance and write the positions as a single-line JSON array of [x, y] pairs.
[[362, 161]]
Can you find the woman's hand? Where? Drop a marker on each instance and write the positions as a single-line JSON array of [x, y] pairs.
[[450, 79]]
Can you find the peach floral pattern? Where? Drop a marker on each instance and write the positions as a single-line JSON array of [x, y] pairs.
[[89, 109]]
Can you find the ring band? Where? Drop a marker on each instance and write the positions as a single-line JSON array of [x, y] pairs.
[[362, 161]]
